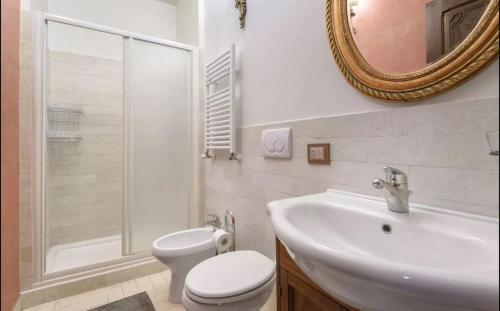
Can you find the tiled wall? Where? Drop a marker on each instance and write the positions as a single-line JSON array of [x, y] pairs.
[[84, 179], [442, 147]]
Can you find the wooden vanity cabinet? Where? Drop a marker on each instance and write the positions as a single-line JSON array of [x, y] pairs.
[[296, 292]]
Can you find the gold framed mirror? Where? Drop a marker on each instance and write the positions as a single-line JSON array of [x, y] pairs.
[[412, 49]]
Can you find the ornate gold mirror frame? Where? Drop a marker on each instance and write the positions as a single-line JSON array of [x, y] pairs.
[[469, 58]]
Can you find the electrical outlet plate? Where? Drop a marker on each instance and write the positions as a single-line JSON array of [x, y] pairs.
[[277, 143]]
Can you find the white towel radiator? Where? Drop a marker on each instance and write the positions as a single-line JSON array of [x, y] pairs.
[[220, 127]]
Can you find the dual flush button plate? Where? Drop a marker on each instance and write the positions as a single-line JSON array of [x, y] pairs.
[[277, 143]]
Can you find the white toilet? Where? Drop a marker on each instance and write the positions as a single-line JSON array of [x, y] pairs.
[[241, 281], [181, 251]]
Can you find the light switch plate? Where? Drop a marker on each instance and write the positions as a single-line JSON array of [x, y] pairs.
[[318, 153], [277, 143]]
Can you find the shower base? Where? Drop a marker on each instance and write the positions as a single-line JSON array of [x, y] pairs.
[[79, 254]]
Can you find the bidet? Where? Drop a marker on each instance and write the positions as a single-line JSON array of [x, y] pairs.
[[181, 251]]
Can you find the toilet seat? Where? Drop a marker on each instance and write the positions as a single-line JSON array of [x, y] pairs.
[[232, 299], [230, 278]]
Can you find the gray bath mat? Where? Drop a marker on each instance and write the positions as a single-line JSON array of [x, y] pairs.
[[138, 302]]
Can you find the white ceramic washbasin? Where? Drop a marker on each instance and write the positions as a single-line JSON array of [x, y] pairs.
[[433, 259]]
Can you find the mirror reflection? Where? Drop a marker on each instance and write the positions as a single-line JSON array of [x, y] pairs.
[[402, 36]]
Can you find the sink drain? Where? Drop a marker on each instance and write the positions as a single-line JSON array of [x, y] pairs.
[[387, 229]]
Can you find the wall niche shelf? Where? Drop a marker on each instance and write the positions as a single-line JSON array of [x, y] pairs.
[[63, 124]]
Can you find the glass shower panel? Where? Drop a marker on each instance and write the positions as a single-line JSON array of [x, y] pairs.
[[160, 142], [84, 149]]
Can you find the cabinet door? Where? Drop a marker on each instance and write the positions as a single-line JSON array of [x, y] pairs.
[[449, 23], [297, 295], [459, 22]]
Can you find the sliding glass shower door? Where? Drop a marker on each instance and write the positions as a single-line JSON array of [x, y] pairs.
[[160, 142], [84, 147], [116, 145]]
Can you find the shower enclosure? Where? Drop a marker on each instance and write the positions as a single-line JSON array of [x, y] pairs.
[[115, 144]]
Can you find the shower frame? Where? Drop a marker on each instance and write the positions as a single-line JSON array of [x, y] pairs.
[[40, 59]]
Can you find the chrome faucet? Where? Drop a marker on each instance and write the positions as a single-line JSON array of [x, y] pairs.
[[396, 185], [212, 220]]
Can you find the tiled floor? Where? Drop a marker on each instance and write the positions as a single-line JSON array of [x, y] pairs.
[[156, 285]]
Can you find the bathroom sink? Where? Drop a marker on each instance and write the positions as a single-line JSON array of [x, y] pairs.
[[354, 248]]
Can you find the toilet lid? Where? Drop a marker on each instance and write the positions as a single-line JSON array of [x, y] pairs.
[[230, 274]]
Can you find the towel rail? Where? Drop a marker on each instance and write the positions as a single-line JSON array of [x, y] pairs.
[[218, 59], [220, 118], [218, 101], [223, 67], [219, 93], [218, 108]]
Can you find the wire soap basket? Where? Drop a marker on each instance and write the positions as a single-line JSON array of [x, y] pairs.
[[63, 124]]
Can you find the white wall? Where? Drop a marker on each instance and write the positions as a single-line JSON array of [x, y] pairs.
[[166, 19], [26, 5], [150, 17], [34, 5], [187, 22], [287, 69]]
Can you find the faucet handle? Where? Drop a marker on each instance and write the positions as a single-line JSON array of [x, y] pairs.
[[212, 220], [395, 176]]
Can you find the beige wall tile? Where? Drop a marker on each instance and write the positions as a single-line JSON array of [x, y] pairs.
[[442, 147]]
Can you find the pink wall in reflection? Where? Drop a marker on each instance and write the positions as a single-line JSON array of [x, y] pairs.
[[391, 34]]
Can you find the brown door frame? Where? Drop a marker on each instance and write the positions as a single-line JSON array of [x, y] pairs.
[[10, 12]]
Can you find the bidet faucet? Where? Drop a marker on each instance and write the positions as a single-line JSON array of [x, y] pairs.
[[396, 185], [212, 220]]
